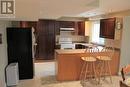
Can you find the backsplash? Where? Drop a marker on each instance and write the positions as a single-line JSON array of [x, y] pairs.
[[75, 38], [114, 43]]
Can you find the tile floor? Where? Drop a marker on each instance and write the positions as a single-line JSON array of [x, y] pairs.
[[48, 68]]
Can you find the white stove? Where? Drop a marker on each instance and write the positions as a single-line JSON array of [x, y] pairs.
[[66, 43], [67, 46]]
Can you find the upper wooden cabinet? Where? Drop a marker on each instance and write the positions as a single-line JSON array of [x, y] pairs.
[[81, 28], [63, 24], [25, 24], [107, 28], [67, 24]]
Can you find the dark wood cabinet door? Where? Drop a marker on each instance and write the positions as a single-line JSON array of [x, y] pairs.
[[67, 24], [81, 28], [51, 40], [57, 28], [42, 47], [46, 39], [50, 47], [41, 40], [107, 28], [63, 24]]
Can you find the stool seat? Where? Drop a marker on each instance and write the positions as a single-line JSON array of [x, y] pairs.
[[88, 59], [104, 58]]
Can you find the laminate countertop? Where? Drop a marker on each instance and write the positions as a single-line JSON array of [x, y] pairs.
[[73, 51], [69, 51]]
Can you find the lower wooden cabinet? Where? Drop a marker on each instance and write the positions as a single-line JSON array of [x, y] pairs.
[[79, 46], [69, 64]]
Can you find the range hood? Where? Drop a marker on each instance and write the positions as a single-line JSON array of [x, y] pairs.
[[67, 29]]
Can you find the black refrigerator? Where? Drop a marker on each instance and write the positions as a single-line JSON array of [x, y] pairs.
[[19, 45]]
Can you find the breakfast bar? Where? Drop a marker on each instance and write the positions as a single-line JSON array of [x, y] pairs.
[[69, 63]]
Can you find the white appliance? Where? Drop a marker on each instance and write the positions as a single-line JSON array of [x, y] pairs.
[[67, 46], [66, 43], [67, 29], [12, 75]]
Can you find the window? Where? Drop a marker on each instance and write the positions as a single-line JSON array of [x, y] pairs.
[[95, 33]]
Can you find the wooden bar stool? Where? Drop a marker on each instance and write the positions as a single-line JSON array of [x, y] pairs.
[[105, 57], [88, 70]]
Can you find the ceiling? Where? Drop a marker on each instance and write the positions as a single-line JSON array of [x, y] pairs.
[[55, 9]]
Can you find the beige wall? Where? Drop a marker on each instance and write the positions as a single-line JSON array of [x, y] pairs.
[[88, 26], [125, 46], [3, 52], [75, 38]]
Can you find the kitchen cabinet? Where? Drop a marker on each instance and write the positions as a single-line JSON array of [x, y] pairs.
[[107, 28], [46, 33], [81, 28], [25, 24], [46, 39], [67, 24], [69, 63], [57, 28], [58, 46], [79, 46], [63, 24]]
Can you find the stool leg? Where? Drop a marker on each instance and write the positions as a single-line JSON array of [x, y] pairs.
[[86, 70], [101, 71], [105, 70], [93, 64], [109, 71], [82, 71], [98, 68]]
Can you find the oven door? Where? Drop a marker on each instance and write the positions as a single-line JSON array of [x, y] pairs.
[[67, 46]]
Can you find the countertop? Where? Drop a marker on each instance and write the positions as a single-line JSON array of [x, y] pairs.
[[69, 51], [73, 51], [82, 43]]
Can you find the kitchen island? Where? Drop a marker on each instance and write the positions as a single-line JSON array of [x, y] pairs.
[[69, 63]]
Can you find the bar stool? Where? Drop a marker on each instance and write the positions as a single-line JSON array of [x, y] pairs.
[[105, 57], [88, 70]]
